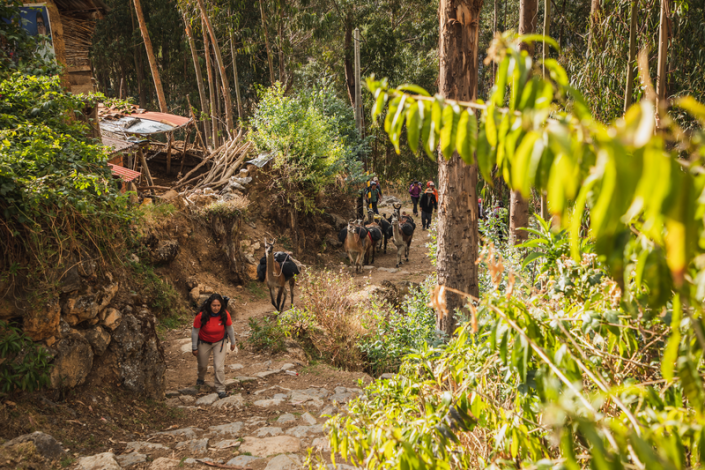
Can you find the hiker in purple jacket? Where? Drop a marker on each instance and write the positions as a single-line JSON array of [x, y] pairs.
[[415, 191]]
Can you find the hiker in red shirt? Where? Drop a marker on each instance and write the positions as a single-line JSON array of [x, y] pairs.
[[210, 328]]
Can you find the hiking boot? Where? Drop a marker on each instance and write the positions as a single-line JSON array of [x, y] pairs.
[[200, 382], [222, 395]]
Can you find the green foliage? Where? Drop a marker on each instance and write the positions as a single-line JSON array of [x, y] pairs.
[[161, 295], [266, 335], [313, 139], [494, 226], [24, 365]]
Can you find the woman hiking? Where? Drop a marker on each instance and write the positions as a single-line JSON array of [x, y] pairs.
[[210, 328], [415, 191]]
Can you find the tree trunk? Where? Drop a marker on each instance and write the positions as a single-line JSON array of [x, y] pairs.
[[594, 19], [457, 210], [221, 66], [150, 56], [281, 42], [546, 28], [632, 56], [518, 206], [348, 60], [236, 80], [199, 76], [494, 33], [211, 87], [662, 57], [138, 67], [266, 43]]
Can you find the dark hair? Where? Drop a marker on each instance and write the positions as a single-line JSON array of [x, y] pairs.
[[206, 309]]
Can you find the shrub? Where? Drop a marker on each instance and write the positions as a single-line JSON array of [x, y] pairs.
[[266, 334], [24, 365]]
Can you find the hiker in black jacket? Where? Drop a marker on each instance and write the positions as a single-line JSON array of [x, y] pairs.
[[427, 203]]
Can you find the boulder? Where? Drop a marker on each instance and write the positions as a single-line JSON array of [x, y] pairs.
[[134, 458], [164, 463], [231, 429], [139, 356], [194, 294], [197, 446], [269, 431], [270, 445], [88, 305], [110, 318], [44, 323], [98, 338], [104, 461], [46, 445], [242, 460], [285, 462], [233, 401], [139, 445], [303, 431], [207, 400], [309, 419], [72, 362], [165, 252], [188, 433], [286, 418]]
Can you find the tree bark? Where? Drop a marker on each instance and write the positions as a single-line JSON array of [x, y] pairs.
[[281, 42], [221, 67], [150, 56], [662, 57], [236, 80], [594, 19], [199, 76], [348, 62], [457, 210], [518, 206], [138, 67], [211, 87], [266, 42], [632, 56]]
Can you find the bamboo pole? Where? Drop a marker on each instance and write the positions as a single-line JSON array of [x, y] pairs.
[[199, 76], [632, 56], [169, 139], [150, 55], [236, 81], [266, 43], [211, 86]]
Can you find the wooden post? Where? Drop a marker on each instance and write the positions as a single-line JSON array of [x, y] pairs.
[[662, 57], [169, 140], [236, 81], [150, 55], [145, 168], [183, 153]]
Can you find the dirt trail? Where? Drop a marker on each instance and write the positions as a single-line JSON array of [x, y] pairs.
[[271, 418]]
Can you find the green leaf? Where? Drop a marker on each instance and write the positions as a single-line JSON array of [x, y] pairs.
[[467, 136], [425, 114], [413, 89], [529, 38], [413, 125], [531, 257], [485, 156], [522, 158], [490, 125], [391, 112], [380, 100], [670, 354], [436, 123], [451, 116]]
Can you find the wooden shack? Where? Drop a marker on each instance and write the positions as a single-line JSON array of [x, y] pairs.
[[71, 26]]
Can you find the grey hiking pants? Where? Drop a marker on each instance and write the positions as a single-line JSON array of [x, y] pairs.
[[219, 351]]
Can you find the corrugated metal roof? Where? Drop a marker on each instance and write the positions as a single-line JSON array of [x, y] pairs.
[[125, 174], [117, 145]]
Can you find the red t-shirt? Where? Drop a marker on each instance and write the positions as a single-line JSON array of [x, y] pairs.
[[214, 330]]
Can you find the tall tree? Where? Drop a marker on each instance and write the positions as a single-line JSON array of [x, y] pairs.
[[632, 56], [221, 67], [594, 20], [518, 206], [457, 210], [662, 56], [138, 66], [199, 76], [266, 43], [212, 91], [236, 80], [150, 56]]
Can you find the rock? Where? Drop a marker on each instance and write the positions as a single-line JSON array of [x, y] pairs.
[[285, 462], [139, 356], [187, 399], [233, 401], [43, 323], [226, 444], [266, 373], [186, 348], [172, 393], [98, 338], [110, 318], [88, 305], [386, 376], [164, 463], [139, 445], [369, 268], [337, 221], [270, 445], [317, 392], [269, 402], [288, 366], [165, 252], [195, 445], [242, 460], [191, 282], [188, 391], [329, 410], [104, 461], [131, 459], [246, 379], [194, 294], [268, 431], [309, 419], [188, 433], [46, 445], [286, 418], [341, 398], [235, 366], [303, 431], [72, 363], [207, 400], [321, 443], [230, 429], [173, 402]]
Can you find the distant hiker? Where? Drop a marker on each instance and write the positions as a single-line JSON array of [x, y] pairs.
[[373, 196], [415, 191], [433, 187], [211, 327], [427, 202]]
